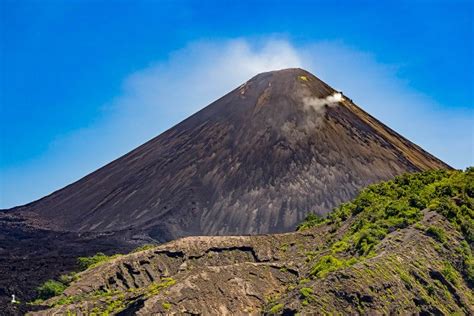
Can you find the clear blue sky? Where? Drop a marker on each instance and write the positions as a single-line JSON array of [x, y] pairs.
[[64, 65]]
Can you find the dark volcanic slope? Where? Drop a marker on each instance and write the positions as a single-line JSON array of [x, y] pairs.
[[255, 161]]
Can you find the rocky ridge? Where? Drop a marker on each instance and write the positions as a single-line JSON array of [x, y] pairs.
[[418, 261]]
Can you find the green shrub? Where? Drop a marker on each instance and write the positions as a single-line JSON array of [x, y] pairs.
[[156, 287], [310, 221], [339, 246], [325, 265], [310, 255], [406, 279], [68, 278], [276, 308], [467, 261], [437, 233], [367, 237], [469, 271], [304, 280], [306, 293], [419, 226], [284, 247], [50, 288], [450, 273], [144, 247], [93, 261], [444, 206]]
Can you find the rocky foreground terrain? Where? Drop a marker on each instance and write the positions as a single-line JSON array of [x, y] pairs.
[[403, 247]]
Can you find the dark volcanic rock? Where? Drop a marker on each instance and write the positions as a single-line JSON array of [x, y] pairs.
[[255, 161], [30, 255]]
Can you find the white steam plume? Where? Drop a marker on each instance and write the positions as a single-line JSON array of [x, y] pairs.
[[319, 103]]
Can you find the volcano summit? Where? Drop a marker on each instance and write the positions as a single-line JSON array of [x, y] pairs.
[[257, 160]]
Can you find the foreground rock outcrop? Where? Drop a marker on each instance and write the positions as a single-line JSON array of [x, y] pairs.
[[403, 247]]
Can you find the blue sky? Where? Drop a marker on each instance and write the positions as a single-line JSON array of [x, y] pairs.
[[83, 82]]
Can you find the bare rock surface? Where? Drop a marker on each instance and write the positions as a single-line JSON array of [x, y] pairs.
[[270, 274]]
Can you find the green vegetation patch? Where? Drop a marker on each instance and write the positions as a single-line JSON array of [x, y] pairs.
[[450, 273], [157, 287], [383, 208], [95, 260], [50, 288], [166, 305], [329, 263], [467, 261], [53, 288], [276, 308], [396, 204], [306, 293], [339, 246], [437, 233], [144, 247], [310, 221]]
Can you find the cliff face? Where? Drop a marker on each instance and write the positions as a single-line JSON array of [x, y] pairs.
[[257, 160], [385, 252]]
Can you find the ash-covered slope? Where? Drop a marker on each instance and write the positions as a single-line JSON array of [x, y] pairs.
[[255, 161]]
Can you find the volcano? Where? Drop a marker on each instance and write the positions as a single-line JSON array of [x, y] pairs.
[[257, 160]]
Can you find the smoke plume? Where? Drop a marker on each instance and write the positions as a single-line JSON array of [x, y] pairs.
[[319, 103]]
